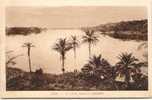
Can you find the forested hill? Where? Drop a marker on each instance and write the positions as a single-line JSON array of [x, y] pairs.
[[126, 30], [23, 30]]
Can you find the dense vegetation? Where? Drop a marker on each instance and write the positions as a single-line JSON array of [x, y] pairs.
[[126, 30], [22, 30], [97, 74]]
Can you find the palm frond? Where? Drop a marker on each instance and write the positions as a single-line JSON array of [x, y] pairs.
[[127, 59], [62, 46], [74, 41], [90, 37], [142, 45]]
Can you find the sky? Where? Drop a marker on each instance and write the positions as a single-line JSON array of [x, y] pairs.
[[71, 16]]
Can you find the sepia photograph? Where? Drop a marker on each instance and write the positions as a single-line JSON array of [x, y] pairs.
[[76, 48]]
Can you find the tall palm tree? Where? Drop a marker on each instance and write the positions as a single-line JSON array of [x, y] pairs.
[[29, 45], [62, 47], [74, 43], [91, 38]]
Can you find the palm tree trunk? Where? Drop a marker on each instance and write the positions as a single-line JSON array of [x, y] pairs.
[[30, 64], [74, 53], [89, 50], [74, 49], [29, 58], [127, 78], [63, 70]]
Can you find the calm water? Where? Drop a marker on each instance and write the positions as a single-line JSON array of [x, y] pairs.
[[43, 56]]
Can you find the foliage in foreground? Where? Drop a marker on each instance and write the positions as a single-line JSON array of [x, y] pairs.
[[97, 74]]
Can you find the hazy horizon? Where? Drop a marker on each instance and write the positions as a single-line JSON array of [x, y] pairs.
[[71, 16]]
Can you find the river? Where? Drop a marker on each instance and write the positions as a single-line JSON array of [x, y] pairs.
[[43, 56]]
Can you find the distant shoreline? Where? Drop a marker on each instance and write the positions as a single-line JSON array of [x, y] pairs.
[[124, 30]]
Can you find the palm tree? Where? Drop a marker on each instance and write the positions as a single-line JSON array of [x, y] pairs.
[[91, 38], [98, 66], [74, 43], [11, 59], [144, 45], [28, 45], [97, 70], [126, 61], [62, 46]]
